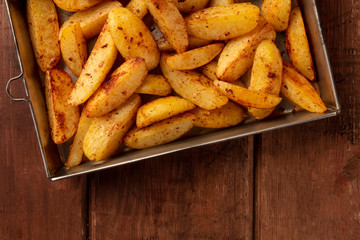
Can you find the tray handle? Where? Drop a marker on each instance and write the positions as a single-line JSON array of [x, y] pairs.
[[8, 84]]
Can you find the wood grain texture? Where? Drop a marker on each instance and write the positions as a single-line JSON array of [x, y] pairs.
[[31, 207], [204, 193], [308, 177]]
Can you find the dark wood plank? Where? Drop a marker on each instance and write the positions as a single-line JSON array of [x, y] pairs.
[[308, 177], [31, 207], [203, 193]]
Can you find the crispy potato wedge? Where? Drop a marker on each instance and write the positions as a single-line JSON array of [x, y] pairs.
[[99, 63], [193, 86], [187, 6], [76, 151], [194, 42], [159, 133], [297, 89], [154, 84], [76, 5], [73, 48], [91, 20], [44, 31], [138, 7], [170, 22], [223, 22], [160, 109], [105, 134], [132, 38], [63, 118], [214, 3], [276, 12], [266, 74], [246, 97], [194, 58], [122, 84], [238, 54], [228, 115], [297, 45]]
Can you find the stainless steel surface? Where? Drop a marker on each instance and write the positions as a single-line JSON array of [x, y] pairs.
[[53, 156]]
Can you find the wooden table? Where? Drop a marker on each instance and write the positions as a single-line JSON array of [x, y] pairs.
[[301, 182]]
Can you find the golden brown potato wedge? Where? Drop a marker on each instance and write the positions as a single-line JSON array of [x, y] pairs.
[[246, 97], [297, 45], [99, 63], [188, 6], [160, 109], [214, 3], [122, 84], [154, 84], [297, 89], [170, 22], [91, 20], [63, 118], [132, 38], [276, 12], [138, 7], [223, 22], [76, 5], [73, 48], [105, 134], [44, 32], [266, 74], [194, 42], [238, 54], [76, 151], [193, 86], [194, 58], [159, 133], [228, 115]]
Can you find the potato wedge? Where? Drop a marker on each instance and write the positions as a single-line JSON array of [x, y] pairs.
[[63, 118], [194, 42], [194, 58], [44, 30], [297, 45], [105, 134], [214, 3], [187, 6], [154, 84], [276, 12], [297, 89], [76, 5], [91, 20], [193, 86], [238, 54], [122, 84], [160, 109], [159, 133], [76, 151], [99, 63], [246, 97], [266, 74], [228, 115], [170, 22], [73, 48], [138, 7], [223, 22], [132, 38]]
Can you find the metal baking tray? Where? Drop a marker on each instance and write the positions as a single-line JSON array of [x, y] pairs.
[[53, 156]]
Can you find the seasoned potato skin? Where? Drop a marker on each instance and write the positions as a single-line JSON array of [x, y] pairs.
[[299, 90], [188, 6], [63, 118], [155, 84], [76, 5], [159, 133], [276, 12], [297, 45], [44, 32], [138, 7], [238, 54]]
